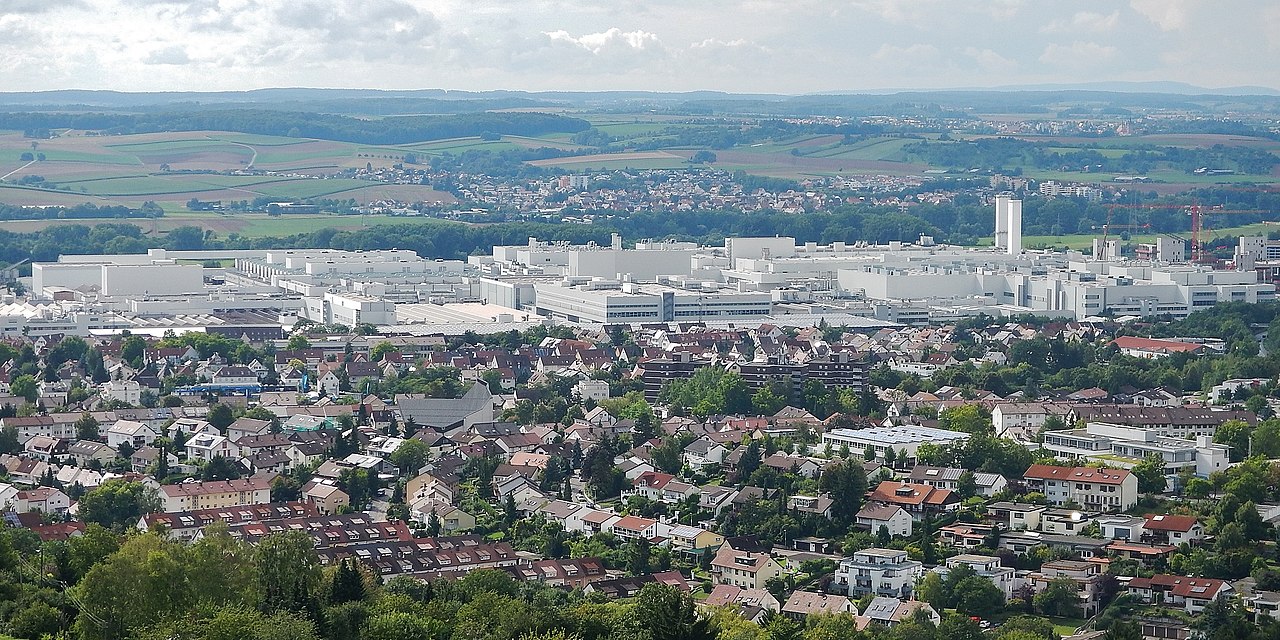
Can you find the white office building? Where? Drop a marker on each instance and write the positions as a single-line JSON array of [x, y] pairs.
[[1128, 446], [904, 439]]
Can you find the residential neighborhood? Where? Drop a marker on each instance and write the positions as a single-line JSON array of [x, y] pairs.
[[886, 498]]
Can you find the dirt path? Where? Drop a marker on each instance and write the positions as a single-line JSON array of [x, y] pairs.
[[6, 176], [252, 159]]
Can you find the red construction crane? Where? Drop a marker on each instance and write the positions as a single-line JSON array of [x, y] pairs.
[[1197, 216], [1196, 211]]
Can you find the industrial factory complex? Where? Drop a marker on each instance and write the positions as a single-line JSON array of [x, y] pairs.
[[746, 280]]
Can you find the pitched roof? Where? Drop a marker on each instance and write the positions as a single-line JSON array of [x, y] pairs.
[[1080, 474], [906, 493], [634, 523], [809, 603], [1169, 523]]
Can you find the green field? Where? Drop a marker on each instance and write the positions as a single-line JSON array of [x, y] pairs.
[[1085, 240]]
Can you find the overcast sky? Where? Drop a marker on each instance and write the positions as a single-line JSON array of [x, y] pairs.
[[780, 46]]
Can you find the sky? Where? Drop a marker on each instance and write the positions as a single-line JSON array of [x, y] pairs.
[[747, 46]]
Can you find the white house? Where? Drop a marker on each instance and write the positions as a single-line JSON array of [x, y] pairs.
[[8, 496], [43, 500], [591, 390], [191, 427], [126, 391], [137, 434], [985, 567], [892, 517], [206, 447]]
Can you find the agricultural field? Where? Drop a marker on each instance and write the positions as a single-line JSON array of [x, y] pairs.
[[637, 160], [253, 225], [131, 169]]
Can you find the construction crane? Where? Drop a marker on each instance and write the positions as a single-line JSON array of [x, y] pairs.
[[1197, 219], [1111, 208], [1196, 211], [1108, 228]]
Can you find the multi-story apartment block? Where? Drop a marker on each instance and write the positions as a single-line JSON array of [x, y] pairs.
[[881, 572], [190, 496], [1096, 489]]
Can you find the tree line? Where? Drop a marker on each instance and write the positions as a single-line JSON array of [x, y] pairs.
[[391, 130]]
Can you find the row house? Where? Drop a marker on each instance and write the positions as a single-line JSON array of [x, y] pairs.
[[190, 496], [563, 574], [185, 525], [425, 558]]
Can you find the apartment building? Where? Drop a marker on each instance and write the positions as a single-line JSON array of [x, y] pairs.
[[1097, 489], [190, 496], [881, 572]]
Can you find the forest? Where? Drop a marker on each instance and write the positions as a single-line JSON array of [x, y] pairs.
[[390, 130], [998, 154]]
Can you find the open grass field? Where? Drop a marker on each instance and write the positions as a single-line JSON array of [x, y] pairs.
[[1085, 240]]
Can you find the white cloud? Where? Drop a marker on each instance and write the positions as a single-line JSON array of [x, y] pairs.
[[175, 54], [610, 40], [793, 46], [990, 61], [912, 54], [1077, 54], [1084, 22], [1169, 15]]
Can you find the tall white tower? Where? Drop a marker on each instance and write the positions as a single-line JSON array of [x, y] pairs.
[[1009, 224]]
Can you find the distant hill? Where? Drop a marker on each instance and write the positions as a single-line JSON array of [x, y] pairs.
[[1014, 99]]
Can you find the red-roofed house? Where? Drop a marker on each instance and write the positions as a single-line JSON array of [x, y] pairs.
[[649, 485], [1191, 594], [1149, 348], [915, 499], [633, 527], [1092, 488], [1173, 530], [43, 500]]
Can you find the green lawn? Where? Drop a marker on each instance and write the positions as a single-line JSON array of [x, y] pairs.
[[1066, 626]]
